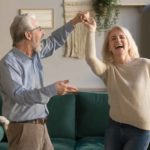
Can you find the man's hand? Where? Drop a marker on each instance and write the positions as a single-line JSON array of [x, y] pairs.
[[62, 87], [4, 121]]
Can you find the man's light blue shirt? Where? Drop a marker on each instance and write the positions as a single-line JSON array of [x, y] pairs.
[[21, 79]]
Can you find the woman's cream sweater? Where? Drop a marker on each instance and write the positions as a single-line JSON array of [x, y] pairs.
[[128, 87]]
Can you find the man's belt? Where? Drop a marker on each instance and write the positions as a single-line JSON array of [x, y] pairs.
[[34, 121]]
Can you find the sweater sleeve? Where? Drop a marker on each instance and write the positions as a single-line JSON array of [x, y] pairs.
[[97, 66]]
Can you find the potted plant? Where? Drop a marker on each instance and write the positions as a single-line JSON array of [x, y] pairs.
[[106, 13]]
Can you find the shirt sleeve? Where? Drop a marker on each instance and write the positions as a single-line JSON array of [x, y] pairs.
[[11, 85], [56, 40]]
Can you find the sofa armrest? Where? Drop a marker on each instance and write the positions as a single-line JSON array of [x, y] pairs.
[[1, 132]]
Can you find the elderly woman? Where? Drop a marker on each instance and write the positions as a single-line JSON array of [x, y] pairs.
[[127, 78]]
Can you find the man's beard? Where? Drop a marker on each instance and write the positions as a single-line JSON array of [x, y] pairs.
[[37, 49]]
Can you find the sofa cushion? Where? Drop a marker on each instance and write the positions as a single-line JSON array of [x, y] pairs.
[[90, 143], [61, 119], [3, 146], [91, 114], [63, 143]]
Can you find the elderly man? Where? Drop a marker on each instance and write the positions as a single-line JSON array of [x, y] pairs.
[[21, 82]]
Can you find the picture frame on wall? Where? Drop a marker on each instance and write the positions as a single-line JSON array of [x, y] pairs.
[[44, 16]]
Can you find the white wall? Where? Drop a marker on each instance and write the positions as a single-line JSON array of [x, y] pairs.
[[58, 67]]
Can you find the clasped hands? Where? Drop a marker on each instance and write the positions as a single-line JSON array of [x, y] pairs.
[[86, 19]]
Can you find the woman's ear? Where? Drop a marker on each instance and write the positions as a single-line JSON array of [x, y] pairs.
[[28, 35]]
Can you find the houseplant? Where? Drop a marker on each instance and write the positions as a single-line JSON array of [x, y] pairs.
[[106, 13]]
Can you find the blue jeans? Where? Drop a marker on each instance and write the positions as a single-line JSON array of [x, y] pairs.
[[121, 136]]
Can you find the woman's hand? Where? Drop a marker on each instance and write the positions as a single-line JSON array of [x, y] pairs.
[[90, 23]]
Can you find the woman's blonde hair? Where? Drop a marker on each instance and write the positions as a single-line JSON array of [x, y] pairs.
[[133, 49]]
